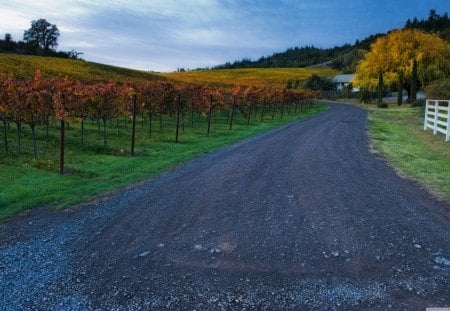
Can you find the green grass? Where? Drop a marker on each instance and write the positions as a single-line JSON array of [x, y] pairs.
[[95, 169], [398, 134]]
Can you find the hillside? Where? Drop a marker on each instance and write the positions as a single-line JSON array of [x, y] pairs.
[[22, 66], [343, 58], [292, 57], [262, 77]]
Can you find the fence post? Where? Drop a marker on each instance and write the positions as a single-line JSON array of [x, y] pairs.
[[436, 103], [447, 136], [435, 106]]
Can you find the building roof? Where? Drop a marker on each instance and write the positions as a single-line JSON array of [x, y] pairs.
[[343, 78]]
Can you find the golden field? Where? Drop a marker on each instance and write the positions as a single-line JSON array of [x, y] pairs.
[[261, 77], [24, 66]]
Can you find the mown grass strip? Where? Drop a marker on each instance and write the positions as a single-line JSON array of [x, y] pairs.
[[95, 169], [397, 133]]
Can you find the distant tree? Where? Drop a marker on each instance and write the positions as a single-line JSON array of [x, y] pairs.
[[42, 36], [9, 43], [432, 16], [435, 23], [74, 54], [347, 90], [408, 23], [289, 84], [316, 82]]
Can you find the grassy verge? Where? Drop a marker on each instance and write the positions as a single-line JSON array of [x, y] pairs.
[[95, 168], [398, 134]]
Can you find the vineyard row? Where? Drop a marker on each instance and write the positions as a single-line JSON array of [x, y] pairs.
[[37, 101]]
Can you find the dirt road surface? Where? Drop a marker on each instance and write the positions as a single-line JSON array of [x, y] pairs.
[[300, 218]]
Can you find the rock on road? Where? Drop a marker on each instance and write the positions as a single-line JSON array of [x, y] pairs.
[[303, 217]]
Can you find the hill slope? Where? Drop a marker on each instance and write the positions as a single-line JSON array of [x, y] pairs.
[[23, 66], [262, 77]]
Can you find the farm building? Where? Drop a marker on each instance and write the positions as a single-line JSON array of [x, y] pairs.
[[340, 81]]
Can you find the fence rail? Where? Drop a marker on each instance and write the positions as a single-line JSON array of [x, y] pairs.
[[437, 117]]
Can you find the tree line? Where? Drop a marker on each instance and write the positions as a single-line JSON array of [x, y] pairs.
[[435, 23], [344, 58], [40, 39]]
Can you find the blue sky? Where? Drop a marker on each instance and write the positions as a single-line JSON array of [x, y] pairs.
[[163, 35]]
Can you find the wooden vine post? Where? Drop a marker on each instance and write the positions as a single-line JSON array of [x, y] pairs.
[[5, 136], [249, 113], [262, 112], [61, 147], [210, 113], [177, 131], [62, 138], [232, 112], [133, 130]]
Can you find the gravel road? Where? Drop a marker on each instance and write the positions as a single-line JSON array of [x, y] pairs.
[[301, 218]]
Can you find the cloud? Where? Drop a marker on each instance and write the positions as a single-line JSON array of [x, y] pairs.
[[166, 34]]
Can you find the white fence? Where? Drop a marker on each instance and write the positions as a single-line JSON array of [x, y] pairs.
[[437, 117]]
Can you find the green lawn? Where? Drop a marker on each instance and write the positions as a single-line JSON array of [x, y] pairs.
[[398, 134], [93, 168]]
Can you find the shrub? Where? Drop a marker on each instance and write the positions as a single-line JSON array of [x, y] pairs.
[[439, 89], [316, 82], [419, 103]]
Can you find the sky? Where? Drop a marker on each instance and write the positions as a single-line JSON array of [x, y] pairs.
[[164, 35]]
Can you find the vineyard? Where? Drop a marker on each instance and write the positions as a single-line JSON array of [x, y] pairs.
[[89, 130], [260, 77], [24, 66]]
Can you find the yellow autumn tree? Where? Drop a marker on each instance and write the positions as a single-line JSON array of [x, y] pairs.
[[394, 56]]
